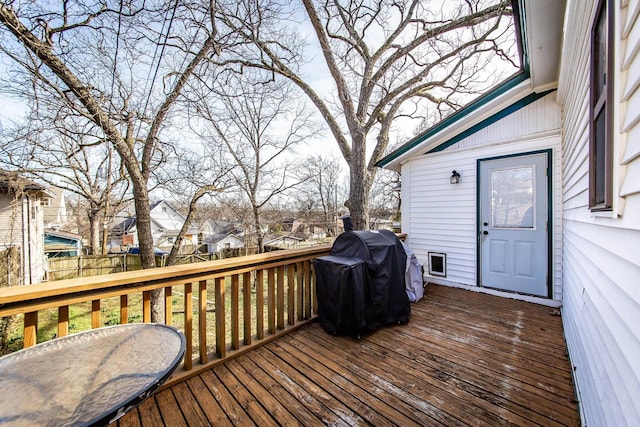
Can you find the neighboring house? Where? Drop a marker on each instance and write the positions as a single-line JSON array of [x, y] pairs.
[[220, 243], [293, 225], [211, 230], [22, 225], [55, 210], [281, 242], [166, 223], [61, 243], [547, 207], [298, 228]]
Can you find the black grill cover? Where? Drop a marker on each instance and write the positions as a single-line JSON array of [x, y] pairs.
[[377, 298], [343, 296]]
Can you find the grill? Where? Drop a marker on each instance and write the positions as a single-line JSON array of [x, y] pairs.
[[361, 284]]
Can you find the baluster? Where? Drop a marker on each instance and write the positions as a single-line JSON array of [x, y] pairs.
[[168, 305], [235, 312], [246, 303], [221, 339], [188, 326], [95, 314], [202, 321], [280, 297], [260, 304], [307, 289], [300, 290], [291, 301], [271, 301], [314, 294], [63, 321], [124, 309], [146, 306], [30, 329]]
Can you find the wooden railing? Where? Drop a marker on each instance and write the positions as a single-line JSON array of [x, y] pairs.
[[256, 299]]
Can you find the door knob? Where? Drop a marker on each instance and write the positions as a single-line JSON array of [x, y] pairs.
[[485, 232]]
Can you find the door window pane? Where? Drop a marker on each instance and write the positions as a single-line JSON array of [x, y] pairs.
[[512, 197]]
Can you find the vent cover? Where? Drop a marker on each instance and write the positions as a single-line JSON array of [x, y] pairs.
[[437, 264]]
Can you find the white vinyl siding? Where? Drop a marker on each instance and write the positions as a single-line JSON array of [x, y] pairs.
[[441, 217], [601, 299], [538, 118]]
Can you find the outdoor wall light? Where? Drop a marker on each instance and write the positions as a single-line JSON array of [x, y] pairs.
[[455, 177]]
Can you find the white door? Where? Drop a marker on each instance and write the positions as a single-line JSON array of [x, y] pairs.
[[513, 220]]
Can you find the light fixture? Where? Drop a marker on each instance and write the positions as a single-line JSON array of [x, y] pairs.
[[455, 177]]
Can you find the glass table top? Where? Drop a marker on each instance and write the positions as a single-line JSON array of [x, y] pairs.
[[87, 378]]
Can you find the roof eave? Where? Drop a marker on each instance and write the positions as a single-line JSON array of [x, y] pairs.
[[483, 107]]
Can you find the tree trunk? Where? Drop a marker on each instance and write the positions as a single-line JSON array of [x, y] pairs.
[[359, 184], [94, 231], [259, 236], [145, 242]]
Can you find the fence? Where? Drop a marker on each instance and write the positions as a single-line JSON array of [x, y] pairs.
[[86, 266]]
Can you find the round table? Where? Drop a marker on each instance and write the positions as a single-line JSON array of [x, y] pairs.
[[92, 377]]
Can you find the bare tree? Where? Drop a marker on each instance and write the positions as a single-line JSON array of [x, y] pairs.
[[78, 52], [255, 122], [384, 203], [386, 59], [191, 178], [69, 157], [322, 189]]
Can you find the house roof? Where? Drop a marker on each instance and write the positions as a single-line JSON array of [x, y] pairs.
[[221, 237], [10, 181], [540, 23], [62, 234], [125, 226], [273, 239]]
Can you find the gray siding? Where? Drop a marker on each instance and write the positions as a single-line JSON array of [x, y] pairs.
[[601, 266]]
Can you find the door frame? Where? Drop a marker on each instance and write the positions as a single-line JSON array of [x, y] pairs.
[[550, 210]]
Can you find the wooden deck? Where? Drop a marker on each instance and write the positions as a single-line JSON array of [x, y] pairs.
[[463, 359]]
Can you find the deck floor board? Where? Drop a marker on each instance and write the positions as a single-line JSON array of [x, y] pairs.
[[464, 358]]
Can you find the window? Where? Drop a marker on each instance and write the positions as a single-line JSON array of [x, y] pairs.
[[601, 110]]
